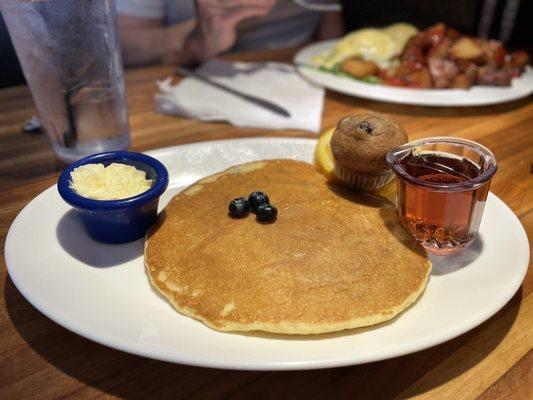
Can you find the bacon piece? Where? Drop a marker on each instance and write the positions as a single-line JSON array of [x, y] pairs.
[[518, 59], [489, 75], [443, 72]]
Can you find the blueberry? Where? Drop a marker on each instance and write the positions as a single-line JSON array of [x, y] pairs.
[[239, 207], [256, 199], [365, 126], [266, 213]]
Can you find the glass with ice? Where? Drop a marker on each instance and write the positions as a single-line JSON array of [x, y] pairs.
[[70, 56]]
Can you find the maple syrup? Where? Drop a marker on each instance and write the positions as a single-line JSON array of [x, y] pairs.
[[442, 194]]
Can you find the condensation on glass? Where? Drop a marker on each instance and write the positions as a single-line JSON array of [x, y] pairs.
[[70, 56]]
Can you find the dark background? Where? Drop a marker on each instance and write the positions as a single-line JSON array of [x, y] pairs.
[[459, 14], [10, 73]]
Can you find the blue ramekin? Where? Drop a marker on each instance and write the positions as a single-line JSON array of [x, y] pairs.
[[117, 221]]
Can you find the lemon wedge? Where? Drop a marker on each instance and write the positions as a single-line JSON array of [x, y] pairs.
[[323, 154]]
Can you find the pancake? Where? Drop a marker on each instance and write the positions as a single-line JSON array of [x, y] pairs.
[[332, 260]]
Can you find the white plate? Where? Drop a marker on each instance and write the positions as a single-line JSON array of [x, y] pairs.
[[476, 96], [102, 292]]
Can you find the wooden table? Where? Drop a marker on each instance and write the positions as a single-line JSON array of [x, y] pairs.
[[40, 359]]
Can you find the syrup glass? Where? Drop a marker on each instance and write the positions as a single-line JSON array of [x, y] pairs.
[[442, 212]]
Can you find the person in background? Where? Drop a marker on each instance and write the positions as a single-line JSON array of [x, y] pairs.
[[189, 32]]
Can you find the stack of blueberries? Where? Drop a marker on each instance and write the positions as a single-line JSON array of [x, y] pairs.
[[258, 203]]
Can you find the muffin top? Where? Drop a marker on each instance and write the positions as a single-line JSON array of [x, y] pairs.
[[361, 142]]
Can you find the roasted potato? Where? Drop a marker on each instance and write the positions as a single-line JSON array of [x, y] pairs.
[[464, 80], [441, 50], [421, 78], [359, 68], [518, 59], [493, 52], [466, 77], [466, 49]]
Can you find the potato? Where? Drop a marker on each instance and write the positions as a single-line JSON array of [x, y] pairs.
[[466, 49], [421, 79], [462, 81], [359, 68]]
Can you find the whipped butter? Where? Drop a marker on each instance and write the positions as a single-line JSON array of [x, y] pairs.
[[114, 182]]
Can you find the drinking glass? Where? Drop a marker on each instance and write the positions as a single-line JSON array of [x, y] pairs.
[[70, 56]]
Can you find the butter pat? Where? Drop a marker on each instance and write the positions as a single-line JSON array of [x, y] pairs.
[[114, 182]]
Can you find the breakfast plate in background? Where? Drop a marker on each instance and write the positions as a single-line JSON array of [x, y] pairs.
[[102, 291], [475, 96]]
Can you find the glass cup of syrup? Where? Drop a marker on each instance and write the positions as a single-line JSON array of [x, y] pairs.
[[443, 183]]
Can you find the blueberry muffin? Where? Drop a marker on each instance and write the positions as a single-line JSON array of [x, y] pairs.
[[360, 144]]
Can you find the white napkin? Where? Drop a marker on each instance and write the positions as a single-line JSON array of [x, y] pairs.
[[272, 81]]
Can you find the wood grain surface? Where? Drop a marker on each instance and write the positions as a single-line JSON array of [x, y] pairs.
[[41, 360]]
